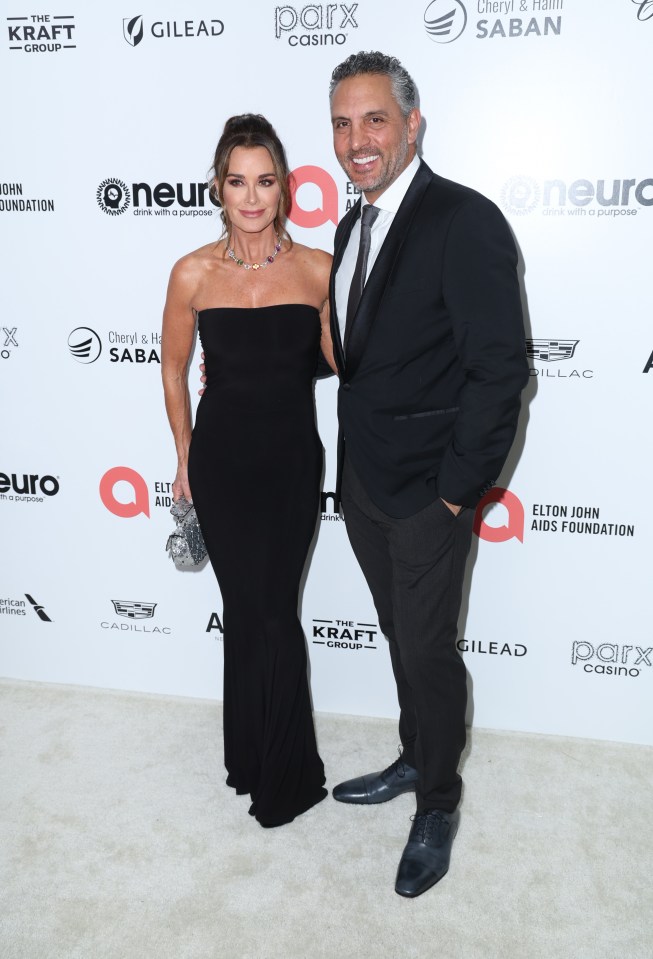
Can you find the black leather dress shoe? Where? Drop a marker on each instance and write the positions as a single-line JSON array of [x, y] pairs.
[[378, 787], [426, 857]]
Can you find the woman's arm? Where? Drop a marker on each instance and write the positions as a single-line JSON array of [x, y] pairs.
[[176, 344], [323, 263]]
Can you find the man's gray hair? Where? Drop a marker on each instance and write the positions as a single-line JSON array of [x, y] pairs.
[[403, 86]]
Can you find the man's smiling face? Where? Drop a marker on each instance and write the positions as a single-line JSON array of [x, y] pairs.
[[374, 142]]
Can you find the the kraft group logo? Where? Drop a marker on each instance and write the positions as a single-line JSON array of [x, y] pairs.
[[135, 498], [445, 20], [512, 510], [345, 634], [84, 344], [42, 33]]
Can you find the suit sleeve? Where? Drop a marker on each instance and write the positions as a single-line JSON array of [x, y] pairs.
[[481, 294]]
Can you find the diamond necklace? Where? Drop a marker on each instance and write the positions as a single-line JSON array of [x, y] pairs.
[[256, 266]]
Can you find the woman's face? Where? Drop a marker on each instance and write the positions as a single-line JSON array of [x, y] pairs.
[[251, 192]]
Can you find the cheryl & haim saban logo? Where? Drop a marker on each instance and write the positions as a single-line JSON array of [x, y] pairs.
[[445, 20]]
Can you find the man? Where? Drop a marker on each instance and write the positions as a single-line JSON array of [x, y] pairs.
[[429, 341]]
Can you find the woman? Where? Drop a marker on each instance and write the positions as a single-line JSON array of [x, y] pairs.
[[254, 461]]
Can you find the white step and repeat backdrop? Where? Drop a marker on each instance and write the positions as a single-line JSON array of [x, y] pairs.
[[111, 116]]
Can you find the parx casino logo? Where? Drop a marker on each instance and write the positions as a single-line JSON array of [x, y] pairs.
[[315, 24], [10, 341]]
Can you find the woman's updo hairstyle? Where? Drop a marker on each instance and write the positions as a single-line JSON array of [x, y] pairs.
[[251, 130]]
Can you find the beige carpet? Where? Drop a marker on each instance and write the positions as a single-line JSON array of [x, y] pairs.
[[119, 840]]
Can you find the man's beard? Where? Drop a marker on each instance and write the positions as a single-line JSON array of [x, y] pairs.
[[390, 168]]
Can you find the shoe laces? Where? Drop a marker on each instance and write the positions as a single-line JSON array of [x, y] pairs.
[[398, 767], [426, 825]]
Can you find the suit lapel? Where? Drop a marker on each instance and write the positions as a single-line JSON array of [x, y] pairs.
[[378, 278], [342, 238]]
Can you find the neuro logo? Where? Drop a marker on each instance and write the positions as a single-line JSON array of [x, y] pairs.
[[327, 208], [113, 196], [520, 195], [132, 30], [140, 501], [513, 529], [84, 344], [40, 612], [445, 20], [551, 351], [132, 610]]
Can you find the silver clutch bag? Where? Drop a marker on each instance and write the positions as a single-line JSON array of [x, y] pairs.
[[186, 544]]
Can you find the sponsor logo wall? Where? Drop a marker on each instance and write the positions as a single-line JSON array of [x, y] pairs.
[[554, 630]]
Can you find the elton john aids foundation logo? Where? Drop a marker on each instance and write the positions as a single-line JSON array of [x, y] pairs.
[[445, 20], [508, 516], [318, 193], [124, 492]]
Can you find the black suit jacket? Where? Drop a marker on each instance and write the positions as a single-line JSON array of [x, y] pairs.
[[429, 393]]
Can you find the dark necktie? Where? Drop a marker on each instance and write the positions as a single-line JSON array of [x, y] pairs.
[[368, 217]]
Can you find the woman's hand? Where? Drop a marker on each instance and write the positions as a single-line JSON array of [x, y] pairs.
[[181, 487], [203, 376]]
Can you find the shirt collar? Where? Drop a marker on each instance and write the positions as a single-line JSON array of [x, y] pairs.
[[390, 199]]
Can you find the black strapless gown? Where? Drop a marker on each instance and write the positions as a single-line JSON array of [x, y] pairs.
[[254, 468]]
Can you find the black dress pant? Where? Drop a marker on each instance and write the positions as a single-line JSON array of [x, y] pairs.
[[414, 568]]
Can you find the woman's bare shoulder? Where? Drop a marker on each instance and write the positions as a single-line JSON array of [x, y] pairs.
[[191, 268], [314, 259]]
